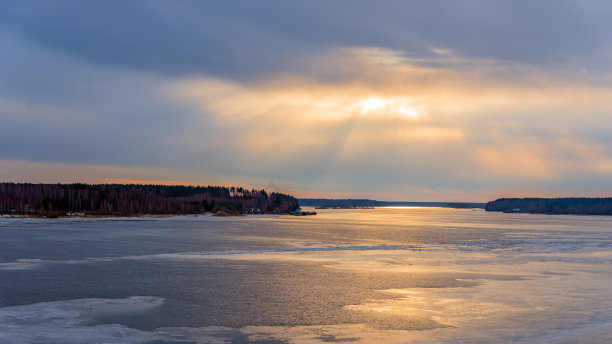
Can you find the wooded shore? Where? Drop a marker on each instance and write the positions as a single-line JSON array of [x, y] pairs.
[[570, 205], [56, 200]]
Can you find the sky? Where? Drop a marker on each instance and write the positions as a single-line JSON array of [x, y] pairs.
[[391, 100]]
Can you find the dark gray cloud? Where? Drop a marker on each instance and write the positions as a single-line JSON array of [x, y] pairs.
[[243, 39]]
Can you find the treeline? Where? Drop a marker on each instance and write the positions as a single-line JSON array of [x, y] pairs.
[[365, 203], [338, 203], [575, 205], [54, 200]]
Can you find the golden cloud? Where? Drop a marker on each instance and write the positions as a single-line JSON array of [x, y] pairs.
[[474, 119]]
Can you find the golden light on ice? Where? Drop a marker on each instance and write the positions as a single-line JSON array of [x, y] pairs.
[[388, 106]]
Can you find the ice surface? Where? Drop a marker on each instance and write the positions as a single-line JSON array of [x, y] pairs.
[[532, 278]]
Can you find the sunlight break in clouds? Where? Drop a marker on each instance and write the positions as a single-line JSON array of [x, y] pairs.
[[375, 105]]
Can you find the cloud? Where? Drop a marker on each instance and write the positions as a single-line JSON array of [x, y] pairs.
[[432, 100], [244, 39], [513, 130]]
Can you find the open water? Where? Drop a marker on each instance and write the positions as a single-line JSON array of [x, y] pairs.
[[385, 275]]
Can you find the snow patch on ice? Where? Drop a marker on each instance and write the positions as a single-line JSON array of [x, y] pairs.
[[58, 322]]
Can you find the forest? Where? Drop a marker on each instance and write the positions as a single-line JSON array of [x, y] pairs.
[[576, 205], [54, 200]]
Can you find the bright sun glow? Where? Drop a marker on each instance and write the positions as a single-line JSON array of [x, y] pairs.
[[399, 106]]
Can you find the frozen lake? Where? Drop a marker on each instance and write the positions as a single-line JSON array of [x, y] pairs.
[[385, 275]]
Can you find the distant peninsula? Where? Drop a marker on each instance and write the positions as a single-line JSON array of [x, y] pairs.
[[349, 203], [575, 205], [55, 200]]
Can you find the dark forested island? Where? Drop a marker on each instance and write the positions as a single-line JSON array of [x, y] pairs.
[[575, 205], [369, 203], [53, 200]]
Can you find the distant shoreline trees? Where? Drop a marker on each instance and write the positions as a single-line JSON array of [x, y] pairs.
[[348, 203], [575, 205], [53, 200]]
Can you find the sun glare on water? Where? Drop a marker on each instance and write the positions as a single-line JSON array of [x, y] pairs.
[[389, 106]]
